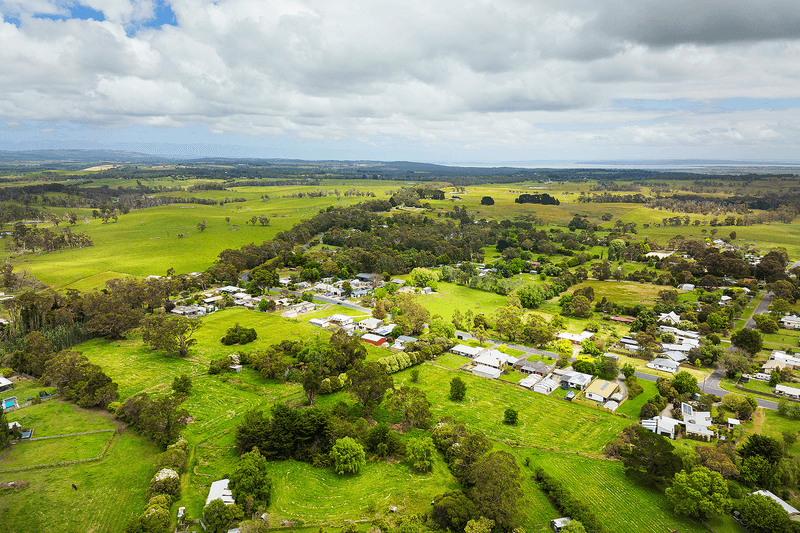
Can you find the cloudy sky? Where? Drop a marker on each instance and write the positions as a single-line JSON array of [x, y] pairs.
[[447, 81]]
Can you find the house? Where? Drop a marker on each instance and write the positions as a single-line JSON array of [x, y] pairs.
[[623, 319], [676, 347], [5, 384], [600, 390], [219, 491], [790, 322], [537, 368], [662, 425], [494, 358], [575, 338], [665, 365], [573, 379], [686, 287], [678, 357], [733, 422], [629, 344], [670, 317], [230, 289], [791, 511], [368, 324], [319, 322], [699, 430], [486, 371], [557, 524], [397, 281], [788, 360], [529, 381], [189, 311], [783, 390], [369, 278], [690, 416], [340, 320], [376, 340], [466, 351], [401, 341], [546, 385]]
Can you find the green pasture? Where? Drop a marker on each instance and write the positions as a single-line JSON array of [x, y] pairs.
[[57, 417], [775, 425], [621, 505], [110, 491], [43, 452], [25, 388], [450, 296]]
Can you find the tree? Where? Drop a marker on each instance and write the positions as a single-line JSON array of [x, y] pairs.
[[201, 226], [510, 416], [748, 340], [5, 431], [163, 419], [628, 370], [496, 488], [764, 515], [487, 200], [169, 333], [412, 404], [580, 306], [735, 363], [182, 384], [368, 384], [573, 527], [219, 517], [423, 277], [481, 525], [685, 383], [250, 483], [608, 368], [650, 456], [108, 316], [453, 510], [699, 494], [348, 456], [530, 296], [458, 389], [421, 452], [312, 382]]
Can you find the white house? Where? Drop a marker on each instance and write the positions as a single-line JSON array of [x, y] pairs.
[[5, 384], [575, 338], [494, 358], [466, 351], [219, 491], [401, 341], [319, 322], [791, 392], [385, 330], [368, 324], [341, 320], [487, 371], [662, 425], [529, 381], [670, 317], [791, 322], [676, 356], [789, 360], [546, 385], [666, 365]]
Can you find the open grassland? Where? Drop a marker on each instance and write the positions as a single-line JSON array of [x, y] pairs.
[[544, 422], [56, 417], [317, 496], [621, 505], [44, 452], [110, 491], [624, 293], [450, 296]]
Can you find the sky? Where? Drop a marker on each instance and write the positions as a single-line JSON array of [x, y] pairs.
[[441, 81]]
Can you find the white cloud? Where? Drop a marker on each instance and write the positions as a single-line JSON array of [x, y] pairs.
[[502, 74]]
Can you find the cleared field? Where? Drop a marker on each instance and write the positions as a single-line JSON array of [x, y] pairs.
[[42, 452], [625, 293], [110, 492], [449, 297], [625, 507], [55, 417]]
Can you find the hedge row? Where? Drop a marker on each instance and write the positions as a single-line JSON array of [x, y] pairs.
[[566, 503]]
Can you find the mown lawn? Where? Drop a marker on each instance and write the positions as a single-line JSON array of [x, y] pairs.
[[621, 505], [631, 407], [450, 296], [624, 293]]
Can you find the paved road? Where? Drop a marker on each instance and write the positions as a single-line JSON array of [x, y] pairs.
[[760, 309], [711, 386], [646, 377], [348, 305]]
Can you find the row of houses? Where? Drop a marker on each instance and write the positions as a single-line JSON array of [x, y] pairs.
[[374, 331]]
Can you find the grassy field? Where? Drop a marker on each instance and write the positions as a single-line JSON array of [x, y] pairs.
[[625, 293], [110, 491], [43, 452], [450, 296], [625, 507], [56, 417]]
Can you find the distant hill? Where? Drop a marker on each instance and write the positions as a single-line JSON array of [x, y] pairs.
[[79, 156]]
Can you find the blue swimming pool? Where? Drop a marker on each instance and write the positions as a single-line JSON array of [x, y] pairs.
[[9, 403]]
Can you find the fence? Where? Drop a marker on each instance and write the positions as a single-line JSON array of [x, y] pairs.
[[66, 463]]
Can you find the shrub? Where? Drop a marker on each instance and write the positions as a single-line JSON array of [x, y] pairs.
[[113, 406], [239, 335], [166, 481]]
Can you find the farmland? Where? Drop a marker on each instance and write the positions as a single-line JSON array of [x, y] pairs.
[[566, 438]]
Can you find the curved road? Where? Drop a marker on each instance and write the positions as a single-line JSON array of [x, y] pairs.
[[760, 309]]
